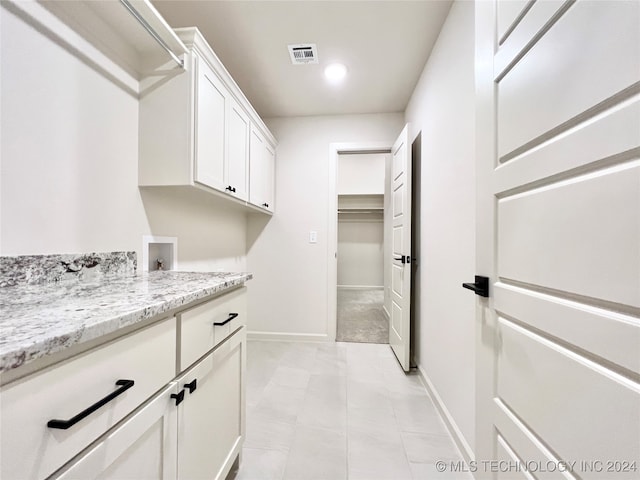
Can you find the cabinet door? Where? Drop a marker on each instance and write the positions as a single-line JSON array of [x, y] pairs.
[[237, 167], [145, 446], [269, 177], [211, 98], [211, 418], [256, 168], [262, 169]]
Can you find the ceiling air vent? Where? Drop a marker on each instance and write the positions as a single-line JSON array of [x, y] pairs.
[[303, 54]]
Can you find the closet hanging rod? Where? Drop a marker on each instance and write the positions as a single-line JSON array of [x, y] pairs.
[[152, 32], [357, 212]]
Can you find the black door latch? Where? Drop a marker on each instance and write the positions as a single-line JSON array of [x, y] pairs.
[[480, 286]]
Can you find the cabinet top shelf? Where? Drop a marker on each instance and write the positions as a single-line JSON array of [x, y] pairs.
[[129, 33]]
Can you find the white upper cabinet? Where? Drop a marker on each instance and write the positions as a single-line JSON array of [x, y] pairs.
[[196, 129]]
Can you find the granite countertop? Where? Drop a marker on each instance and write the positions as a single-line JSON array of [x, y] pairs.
[[39, 320]]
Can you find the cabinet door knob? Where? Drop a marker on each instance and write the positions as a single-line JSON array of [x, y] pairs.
[[231, 317], [64, 424], [178, 396], [191, 385]]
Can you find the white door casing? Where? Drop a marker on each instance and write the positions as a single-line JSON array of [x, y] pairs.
[[558, 233], [335, 149], [399, 326]]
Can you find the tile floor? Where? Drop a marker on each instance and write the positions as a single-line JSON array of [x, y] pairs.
[[338, 411]]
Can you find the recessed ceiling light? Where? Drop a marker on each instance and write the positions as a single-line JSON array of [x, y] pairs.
[[335, 72]]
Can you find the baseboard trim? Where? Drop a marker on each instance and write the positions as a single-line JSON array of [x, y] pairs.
[[454, 430], [288, 337], [361, 287]]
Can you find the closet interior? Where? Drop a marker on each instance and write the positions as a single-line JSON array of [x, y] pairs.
[[361, 202]]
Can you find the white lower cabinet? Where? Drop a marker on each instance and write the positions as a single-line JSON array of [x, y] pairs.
[[120, 412], [123, 374], [193, 429]]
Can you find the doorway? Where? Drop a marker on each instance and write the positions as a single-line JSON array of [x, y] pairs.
[[360, 249], [397, 252], [335, 150]]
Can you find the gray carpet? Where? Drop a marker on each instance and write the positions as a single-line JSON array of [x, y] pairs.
[[360, 316]]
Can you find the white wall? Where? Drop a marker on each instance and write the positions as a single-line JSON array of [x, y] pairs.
[[289, 290], [442, 107], [69, 165], [360, 250], [361, 174]]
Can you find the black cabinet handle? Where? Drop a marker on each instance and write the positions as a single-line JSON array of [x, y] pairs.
[[266, 205], [480, 286], [231, 189], [231, 317], [178, 396], [191, 385], [64, 424], [403, 259]]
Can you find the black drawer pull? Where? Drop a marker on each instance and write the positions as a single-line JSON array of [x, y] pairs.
[[64, 424], [231, 317], [266, 205], [178, 396], [192, 385], [231, 189]]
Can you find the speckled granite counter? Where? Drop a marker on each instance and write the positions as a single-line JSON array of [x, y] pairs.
[[39, 320]]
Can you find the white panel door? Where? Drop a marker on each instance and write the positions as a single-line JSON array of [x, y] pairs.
[[399, 328], [211, 111], [558, 192]]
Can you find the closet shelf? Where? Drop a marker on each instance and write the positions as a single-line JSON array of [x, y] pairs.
[[352, 202]]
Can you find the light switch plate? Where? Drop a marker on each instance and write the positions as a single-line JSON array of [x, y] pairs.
[[313, 236]]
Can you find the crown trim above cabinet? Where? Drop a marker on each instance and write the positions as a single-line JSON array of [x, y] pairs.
[[197, 129]]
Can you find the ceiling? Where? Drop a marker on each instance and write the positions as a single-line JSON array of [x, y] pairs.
[[384, 44]]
